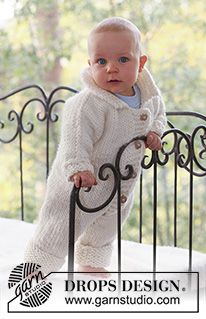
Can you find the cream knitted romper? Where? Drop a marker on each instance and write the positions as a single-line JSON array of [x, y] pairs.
[[95, 125]]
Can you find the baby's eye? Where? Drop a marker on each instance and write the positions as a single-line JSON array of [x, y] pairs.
[[123, 59], [101, 61]]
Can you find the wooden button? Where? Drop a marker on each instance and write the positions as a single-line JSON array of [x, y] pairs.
[[143, 117], [123, 199], [137, 144], [134, 175]]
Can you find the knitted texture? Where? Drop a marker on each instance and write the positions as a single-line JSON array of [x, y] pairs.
[[94, 247], [95, 124], [48, 262], [93, 256]]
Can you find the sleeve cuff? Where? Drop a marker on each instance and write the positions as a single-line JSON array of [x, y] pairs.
[[72, 167], [93, 256], [159, 127]]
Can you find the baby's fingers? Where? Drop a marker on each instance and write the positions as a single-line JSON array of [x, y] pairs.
[[88, 181], [77, 181], [156, 145]]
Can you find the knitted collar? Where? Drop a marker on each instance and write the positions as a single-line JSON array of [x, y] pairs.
[[145, 82]]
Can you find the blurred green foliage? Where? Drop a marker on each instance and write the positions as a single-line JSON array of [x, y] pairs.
[[46, 43]]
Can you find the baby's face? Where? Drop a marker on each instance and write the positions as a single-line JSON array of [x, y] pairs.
[[114, 61]]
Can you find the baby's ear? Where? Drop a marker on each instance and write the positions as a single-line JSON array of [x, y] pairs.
[[89, 62], [143, 60]]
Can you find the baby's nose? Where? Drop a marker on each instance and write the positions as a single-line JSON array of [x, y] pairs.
[[112, 67]]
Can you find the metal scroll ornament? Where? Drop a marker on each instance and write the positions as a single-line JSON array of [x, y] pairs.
[[118, 176]]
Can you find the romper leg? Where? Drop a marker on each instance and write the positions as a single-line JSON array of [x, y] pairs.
[[48, 246], [94, 247]]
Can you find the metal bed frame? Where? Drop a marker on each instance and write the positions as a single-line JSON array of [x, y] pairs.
[[189, 160]]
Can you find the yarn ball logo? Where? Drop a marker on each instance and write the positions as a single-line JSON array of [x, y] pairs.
[[30, 285]]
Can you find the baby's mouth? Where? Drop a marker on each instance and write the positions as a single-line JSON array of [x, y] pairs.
[[114, 81]]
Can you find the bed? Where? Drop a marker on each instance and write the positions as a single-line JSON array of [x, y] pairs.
[[135, 257]]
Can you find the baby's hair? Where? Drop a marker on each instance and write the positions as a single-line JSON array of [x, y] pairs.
[[117, 24]]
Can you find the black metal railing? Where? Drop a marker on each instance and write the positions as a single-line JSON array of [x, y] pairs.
[[180, 160], [46, 115], [187, 149]]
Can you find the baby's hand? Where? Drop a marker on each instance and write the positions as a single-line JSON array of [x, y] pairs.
[[83, 179], [153, 141]]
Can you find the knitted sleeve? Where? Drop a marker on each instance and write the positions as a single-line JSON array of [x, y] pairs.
[[82, 127], [160, 120]]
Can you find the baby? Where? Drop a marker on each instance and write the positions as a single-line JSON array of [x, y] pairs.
[[119, 102]]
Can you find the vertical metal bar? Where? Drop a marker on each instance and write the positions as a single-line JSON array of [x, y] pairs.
[[140, 208], [47, 148], [119, 233], [21, 174], [71, 238], [190, 214], [175, 201], [154, 216], [190, 223]]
